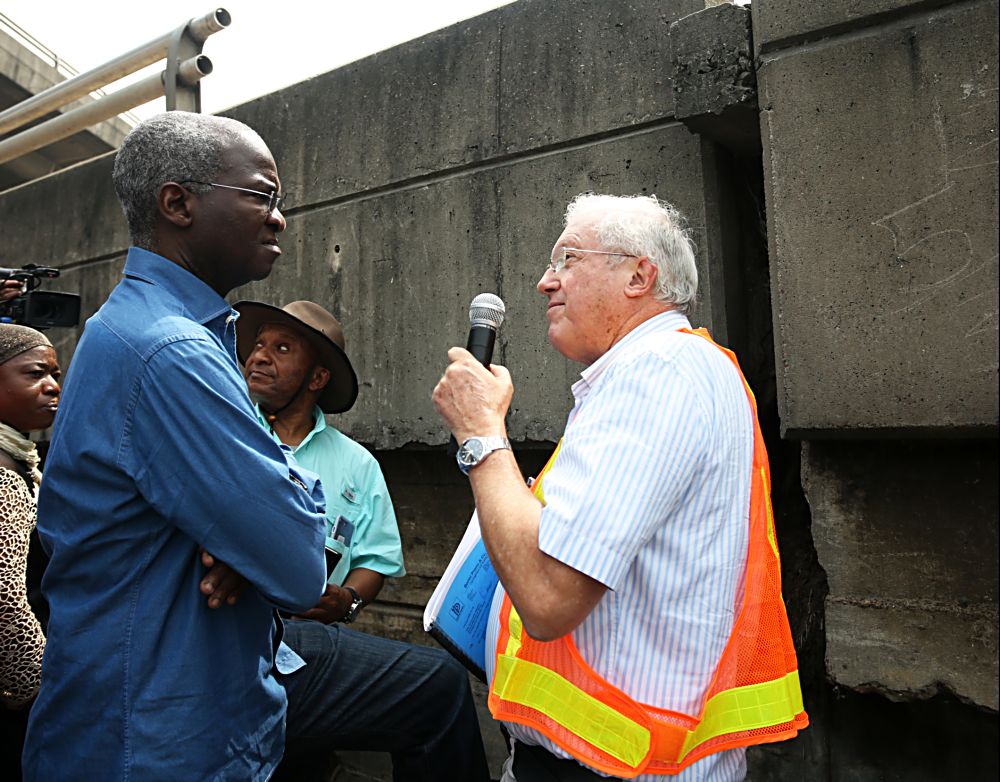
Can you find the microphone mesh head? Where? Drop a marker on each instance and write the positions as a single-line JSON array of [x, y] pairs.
[[487, 310]]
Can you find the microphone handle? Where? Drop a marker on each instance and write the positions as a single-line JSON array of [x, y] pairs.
[[480, 345]]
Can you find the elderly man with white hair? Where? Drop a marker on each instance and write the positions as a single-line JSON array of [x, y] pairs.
[[638, 630]]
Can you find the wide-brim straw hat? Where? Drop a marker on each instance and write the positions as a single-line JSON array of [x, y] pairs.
[[323, 332]]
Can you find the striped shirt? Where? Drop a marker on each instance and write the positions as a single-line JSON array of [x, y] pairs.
[[650, 495]]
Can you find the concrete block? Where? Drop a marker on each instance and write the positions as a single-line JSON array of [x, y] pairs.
[[399, 271], [583, 67], [881, 182], [420, 108], [779, 22], [505, 82], [714, 84], [907, 534], [64, 219]]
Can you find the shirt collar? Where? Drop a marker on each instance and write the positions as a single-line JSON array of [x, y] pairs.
[[202, 304], [318, 426], [671, 320]]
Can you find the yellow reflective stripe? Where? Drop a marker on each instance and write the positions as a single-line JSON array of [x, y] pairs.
[[747, 708], [536, 687], [770, 515], [536, 487], [514, 630]]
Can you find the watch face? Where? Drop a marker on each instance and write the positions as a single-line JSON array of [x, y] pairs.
[[471, 451]]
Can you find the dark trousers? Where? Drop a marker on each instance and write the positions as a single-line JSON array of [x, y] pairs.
[[537, 764], [362, 692]]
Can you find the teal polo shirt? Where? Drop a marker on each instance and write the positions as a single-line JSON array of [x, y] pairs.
[[356, 493]]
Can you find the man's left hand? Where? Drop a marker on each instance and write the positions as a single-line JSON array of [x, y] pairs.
[[221, 584], [11, 289], [331, 607]]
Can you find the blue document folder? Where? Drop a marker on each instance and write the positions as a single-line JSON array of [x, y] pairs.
[[457, 613]]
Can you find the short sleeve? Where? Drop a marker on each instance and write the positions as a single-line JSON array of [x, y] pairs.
[[626, 459], [378, 547]]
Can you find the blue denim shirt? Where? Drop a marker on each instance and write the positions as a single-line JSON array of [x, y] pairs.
[[157, 451]]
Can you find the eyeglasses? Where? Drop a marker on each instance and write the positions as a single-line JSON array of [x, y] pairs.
[[274, 198], [560, 262]]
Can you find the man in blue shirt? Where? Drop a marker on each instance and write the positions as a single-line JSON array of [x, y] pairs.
[[357, 691], [157, 454]]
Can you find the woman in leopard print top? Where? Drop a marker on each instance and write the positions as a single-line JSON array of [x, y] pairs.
[[21, 638], [29, 397]]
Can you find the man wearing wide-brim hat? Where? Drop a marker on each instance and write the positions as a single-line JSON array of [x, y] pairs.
[[297, 369]]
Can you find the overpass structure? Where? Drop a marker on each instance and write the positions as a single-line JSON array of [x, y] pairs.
[[838, 165], [28, 67]]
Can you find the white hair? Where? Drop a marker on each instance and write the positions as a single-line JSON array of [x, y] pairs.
[[645, 226]]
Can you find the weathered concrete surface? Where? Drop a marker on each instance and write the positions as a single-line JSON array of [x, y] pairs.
[[521, 78], [713, 77], [428, 173], [414, 258], [573, 69], [779, 22], [907, 534], [881, 178]]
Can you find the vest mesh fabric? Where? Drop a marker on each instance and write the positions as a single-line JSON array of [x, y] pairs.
[[759, 652]]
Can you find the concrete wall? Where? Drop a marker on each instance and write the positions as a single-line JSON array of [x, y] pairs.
[[879, 138], [863, 306], [881, 172]]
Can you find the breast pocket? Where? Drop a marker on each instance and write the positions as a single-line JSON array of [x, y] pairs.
[[342, 516]]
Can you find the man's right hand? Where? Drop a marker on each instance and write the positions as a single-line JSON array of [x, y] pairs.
[[221, 584], [472, 399]]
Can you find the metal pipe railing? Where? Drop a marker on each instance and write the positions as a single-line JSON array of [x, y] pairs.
[[198, 29], [150, 88]]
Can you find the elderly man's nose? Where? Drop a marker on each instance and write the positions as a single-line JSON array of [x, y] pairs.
[[258, 356], [549, 282]]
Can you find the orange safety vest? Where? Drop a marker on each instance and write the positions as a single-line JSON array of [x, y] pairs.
[[754, 696]]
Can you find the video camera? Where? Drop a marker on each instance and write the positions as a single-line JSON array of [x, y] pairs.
[[38, 309]]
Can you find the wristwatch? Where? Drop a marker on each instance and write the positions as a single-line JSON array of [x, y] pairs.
[[355, 609], [476, 449]]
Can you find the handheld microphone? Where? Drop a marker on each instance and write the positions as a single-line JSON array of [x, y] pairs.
[[486, 313], [485, 316]]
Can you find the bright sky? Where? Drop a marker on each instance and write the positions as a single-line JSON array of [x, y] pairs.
[[269, 45]]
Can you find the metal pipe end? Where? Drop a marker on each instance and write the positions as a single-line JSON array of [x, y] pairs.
[[191, 71], [201, 27]]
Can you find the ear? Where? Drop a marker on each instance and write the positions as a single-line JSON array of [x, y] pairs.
[[175, 204], [320, 378], [643, 279]]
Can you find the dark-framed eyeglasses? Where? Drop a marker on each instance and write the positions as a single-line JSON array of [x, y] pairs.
[[559, 260], [274, 199]]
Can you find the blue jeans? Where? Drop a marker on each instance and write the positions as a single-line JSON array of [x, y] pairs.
[[362, 692]]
